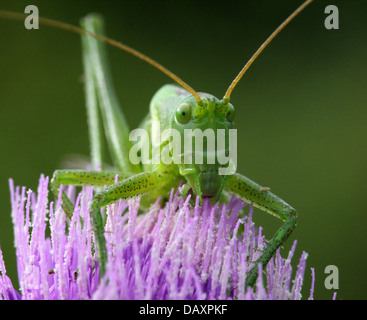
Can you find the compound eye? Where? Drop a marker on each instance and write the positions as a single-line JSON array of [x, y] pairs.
[[183, 113], [230, 113]]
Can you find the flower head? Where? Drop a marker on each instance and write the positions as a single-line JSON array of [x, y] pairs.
[[175, 252]]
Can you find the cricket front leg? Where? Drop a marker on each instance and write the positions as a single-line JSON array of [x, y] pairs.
[[265, 200], [81, 178], [192, 175], [133, 186]]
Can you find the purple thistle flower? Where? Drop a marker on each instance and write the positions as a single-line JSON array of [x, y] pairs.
[[175, 252]]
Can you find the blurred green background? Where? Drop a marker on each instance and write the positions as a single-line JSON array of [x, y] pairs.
[[301, 108]]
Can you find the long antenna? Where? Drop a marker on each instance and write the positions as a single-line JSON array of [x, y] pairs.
[[68, 27], [262, 47]]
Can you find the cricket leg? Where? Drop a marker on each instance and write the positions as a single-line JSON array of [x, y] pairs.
[[265, 200], [192, 175], [100, 92], [134, 186], [82, 178], [95, 128]]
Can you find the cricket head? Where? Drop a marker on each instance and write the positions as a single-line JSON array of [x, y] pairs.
[[207, 148]]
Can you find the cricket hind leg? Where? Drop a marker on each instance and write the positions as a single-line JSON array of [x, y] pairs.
[[103, 108], [263, 199]]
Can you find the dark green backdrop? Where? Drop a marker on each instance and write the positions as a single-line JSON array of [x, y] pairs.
[[301, 108]]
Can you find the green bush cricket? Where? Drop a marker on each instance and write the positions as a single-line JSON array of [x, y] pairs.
[[173, 107]]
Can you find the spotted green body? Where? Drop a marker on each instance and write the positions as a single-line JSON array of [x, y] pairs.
[[173, 108]]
